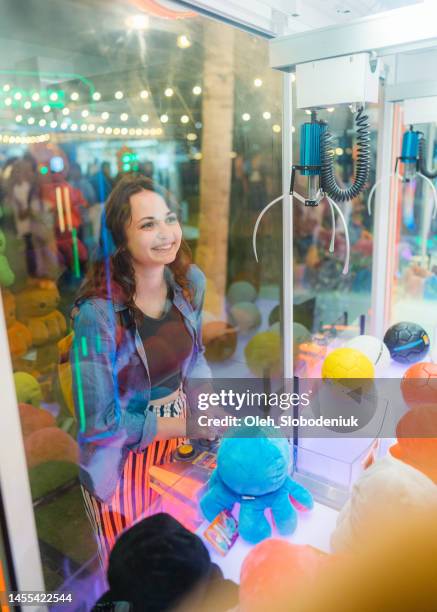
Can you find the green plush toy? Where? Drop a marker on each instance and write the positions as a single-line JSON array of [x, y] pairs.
[[7, 277]]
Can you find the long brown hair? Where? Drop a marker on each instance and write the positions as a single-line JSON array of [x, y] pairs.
[[117, 214]]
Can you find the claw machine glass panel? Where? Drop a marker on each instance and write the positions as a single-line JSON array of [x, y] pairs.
[[331, 307], [89, 93], [412, 289]]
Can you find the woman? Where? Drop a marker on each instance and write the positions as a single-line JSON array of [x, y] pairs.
[[137, 330]]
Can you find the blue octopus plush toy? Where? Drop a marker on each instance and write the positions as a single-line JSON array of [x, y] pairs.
[[254, 472]]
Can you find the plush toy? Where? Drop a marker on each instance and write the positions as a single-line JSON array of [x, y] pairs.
[[28, 389], [50, 444], [19, 336], [254, 472], [7, 277], [36, 308], [274, 570], [32, 419]]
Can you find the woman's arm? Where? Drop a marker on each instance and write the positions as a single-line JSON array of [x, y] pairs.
[[107, 414], [170, 428]]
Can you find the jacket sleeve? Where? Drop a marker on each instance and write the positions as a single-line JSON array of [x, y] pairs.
[[107, 415]]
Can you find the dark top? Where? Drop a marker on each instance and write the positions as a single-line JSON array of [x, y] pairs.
[[168, 344]]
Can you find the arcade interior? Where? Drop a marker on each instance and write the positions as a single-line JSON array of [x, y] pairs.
[[299, 141]]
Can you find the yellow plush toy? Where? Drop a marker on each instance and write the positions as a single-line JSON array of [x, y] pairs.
[[28, 389], [19, 336], [37, 309]]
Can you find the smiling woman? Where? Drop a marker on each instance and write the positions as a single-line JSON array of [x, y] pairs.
[[142, 299]]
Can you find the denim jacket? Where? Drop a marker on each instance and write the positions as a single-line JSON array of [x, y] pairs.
[[111, 383]]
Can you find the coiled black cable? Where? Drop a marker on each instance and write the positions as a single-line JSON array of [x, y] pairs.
[[431, 174], [327, 178]]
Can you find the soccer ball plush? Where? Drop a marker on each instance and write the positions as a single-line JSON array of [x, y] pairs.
[[347, 363], [373, 348], [419, 385], [407, 342]]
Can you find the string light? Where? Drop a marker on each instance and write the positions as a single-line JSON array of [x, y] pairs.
[[144, 118], [168, 92], [267, 115], [245, 117], [183, 41], [197, 90], [138, 131], [53, 124], [64, 125], [31, 120], [276, 128], [18, 95], [66, 111], [73, 127], [91, 127], [83, 127], [258, 82], [331, 109], [131, 131], [118, 95], [6, 87], [85, 112], [53, 96], [144, 94], [105, 116], [124, 116], [185, 119], [124, 131], [46, 108], [100, 129], [191, 137], [35, 96], [27, 105], [42, 122], [97, 96], [164, 118], [8, 101], [116, 131], [108, 130], [19, 118], [74, 96], [137, 22]]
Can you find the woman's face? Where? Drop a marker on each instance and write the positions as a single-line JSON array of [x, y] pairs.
[[153, 233]]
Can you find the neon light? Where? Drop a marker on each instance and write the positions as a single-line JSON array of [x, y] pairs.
[[84, 346], [68, 208], [98, 344], [82, 421], [60, 209], [75, 253]]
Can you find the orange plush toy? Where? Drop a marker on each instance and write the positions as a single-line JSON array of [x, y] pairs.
[[37, 309], [19, 335]]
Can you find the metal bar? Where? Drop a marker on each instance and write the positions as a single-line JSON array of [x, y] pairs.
[[381, 219], [14, 482], [287, 225], [408, 91], [410, 27]]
